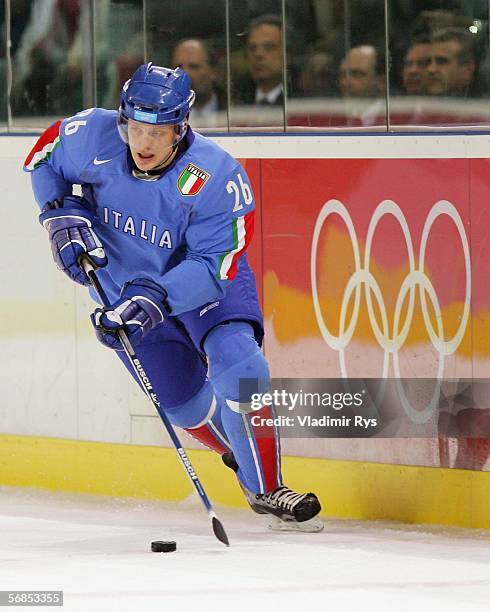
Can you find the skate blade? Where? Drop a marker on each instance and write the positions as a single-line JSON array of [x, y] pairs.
[[314, 525]]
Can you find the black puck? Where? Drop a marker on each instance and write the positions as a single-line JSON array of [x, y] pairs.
[[163, 546]]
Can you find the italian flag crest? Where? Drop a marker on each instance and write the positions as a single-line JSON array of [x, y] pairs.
[[191, 180]]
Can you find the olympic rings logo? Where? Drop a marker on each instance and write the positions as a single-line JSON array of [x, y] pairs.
[[391, 341]]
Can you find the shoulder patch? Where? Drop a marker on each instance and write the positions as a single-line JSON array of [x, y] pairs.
[[41, 152], [192, 180]]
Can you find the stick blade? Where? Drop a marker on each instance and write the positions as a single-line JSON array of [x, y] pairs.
[[219, 531]]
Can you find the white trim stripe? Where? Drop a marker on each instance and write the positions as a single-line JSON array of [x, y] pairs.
[[277, 439], [240, 407], [218, 434], [254, 454], [47, 221], [209, 415], [233, 405], [228, 260], [71, 243], [135, 298]]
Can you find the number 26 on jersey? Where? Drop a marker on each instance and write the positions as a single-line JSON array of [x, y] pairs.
[[242, 192]]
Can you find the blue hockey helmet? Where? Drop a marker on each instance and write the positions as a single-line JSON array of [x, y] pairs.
[[156, 95]]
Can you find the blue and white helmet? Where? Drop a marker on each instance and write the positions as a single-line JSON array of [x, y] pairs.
[[156, 95]]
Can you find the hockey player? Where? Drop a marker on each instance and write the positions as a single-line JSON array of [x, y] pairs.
[[166, 216]]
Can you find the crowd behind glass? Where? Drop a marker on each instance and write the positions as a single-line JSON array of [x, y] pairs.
[[291, 65]]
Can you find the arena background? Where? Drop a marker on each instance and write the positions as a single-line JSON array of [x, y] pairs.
[[60, 386]]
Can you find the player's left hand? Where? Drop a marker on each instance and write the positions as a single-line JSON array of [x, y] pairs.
[[142, 306], [70, 224]]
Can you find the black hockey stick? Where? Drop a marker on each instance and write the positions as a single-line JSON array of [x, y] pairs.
[[219, 530]]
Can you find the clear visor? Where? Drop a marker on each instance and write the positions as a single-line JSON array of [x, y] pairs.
[[122, 126]]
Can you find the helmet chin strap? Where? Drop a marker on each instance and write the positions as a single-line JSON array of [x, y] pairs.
[[173, 150], [168, 160], [173, 147], [170, 156]]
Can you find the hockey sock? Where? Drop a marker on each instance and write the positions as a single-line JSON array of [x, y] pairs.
[[212, 433], [256, 448]]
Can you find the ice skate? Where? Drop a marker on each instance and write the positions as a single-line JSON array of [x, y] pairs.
[[286, 510]]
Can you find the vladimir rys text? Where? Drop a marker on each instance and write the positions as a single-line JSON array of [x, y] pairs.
[[310, 421]]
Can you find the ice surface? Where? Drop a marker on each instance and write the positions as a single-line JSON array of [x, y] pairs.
[[97, 550]]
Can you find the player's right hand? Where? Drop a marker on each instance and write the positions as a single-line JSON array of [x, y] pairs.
[[141, 307], [71, 234]]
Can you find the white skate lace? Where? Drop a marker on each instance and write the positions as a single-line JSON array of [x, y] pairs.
[[284, 497]]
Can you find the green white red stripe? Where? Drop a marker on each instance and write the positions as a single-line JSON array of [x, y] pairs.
[[192, 179], [43, 148], [243, 230]]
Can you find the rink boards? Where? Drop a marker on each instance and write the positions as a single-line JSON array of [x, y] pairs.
[[321, 200]]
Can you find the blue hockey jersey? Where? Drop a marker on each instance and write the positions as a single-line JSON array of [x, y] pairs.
[[187, 230]]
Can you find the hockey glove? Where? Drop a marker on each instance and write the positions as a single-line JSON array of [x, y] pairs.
[[71, 234], [142, 306]]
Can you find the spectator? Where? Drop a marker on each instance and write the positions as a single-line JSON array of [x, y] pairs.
[[265, 53], [193, 56], [317, 77], [452, 64], [415, 66], [362, 84], [361, 73]]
